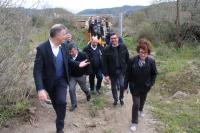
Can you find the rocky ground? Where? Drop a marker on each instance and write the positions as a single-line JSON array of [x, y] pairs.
[[108, 119]]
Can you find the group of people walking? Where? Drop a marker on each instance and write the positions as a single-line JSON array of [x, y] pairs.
[[60, 63], [100, 27]]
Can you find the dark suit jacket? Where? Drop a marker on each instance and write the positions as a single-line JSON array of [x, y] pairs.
[[89, 51], [44, 71], [77, 71]]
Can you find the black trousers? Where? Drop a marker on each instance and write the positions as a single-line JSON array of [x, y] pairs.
[[99, 76], [58, 99], [138, 104], [117, 82]]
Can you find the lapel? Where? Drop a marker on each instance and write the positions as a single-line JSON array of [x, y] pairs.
[[78, 56], [50, 53]]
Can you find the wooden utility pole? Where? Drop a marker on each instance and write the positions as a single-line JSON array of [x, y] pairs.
[[178, 37]]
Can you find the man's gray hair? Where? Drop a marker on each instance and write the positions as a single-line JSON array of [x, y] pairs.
[[56, 28]]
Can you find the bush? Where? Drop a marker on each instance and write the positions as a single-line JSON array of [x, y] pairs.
[[63, 21], [146, 30], [9, 111], [190, 32], [197, 52], [38, 21], [163, 51], [164, 31], [78, 37]]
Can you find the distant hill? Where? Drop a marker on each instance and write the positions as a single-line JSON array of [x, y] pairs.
[[114, 11], [49, 12]]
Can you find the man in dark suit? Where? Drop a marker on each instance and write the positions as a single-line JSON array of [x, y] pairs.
[[94, 51], [51, 72]]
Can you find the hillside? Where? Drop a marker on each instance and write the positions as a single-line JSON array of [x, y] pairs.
[[113, 11], [48, 12]]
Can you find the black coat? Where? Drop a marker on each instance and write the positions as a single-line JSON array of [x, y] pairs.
[[140, 79], [89, 51], [76, 71], [44, 71], [109, 60]]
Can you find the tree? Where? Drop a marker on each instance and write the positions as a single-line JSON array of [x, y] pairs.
[[178, 37], [15, 58]]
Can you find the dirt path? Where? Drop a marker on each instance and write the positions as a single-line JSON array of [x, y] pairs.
[[108, 120]]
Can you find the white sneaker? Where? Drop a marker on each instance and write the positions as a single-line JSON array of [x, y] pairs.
[[141, 113], [133, 127]]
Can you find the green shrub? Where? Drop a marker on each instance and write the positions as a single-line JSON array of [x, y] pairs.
[[131, 43], [178, 116], [163, 51], [164, 31], [6, 112], [146, 30], [63, 21], [196, 53], [38, 21]]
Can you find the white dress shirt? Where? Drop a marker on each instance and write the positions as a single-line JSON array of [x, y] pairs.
[[74, 58], [54, 48], [94, 48]]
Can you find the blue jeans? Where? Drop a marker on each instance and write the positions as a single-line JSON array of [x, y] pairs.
[[117, 81]]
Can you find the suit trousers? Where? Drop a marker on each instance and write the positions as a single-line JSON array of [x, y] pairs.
[[58, 98], [72, 88], [99, 77]]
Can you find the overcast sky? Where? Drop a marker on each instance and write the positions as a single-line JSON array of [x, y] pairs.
[[78, 5]]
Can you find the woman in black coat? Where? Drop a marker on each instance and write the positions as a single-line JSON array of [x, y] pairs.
[[140, 75]]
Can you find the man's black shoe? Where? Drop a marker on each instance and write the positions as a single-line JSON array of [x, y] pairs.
[[115, 103], [121, 102], [88, 97], [98, 92], [73, 108]]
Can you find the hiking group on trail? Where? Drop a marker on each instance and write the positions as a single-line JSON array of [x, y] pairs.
[[59, 63]]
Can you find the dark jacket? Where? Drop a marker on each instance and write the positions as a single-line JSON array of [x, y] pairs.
[[140, 79], [95, 61], [77, 71], [109, 60], [44, 71]]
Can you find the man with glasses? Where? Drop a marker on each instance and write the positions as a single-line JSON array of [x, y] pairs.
[[140, 76]]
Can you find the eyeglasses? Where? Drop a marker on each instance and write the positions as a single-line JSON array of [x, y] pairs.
[[142, 52]]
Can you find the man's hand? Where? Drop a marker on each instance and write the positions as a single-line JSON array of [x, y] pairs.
[[107, 79], [42, 95], [84, 63]]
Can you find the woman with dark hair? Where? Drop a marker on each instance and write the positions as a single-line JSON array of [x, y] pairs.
[[140, 75]]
